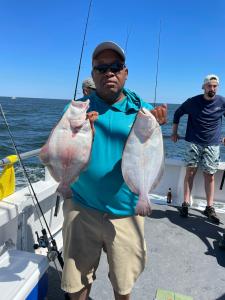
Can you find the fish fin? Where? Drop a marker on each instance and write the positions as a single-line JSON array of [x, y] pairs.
[[143, 207], [159, 176], [44, 154], [64, 190]]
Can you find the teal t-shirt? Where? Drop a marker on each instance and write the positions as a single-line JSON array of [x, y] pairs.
[[101, 185]]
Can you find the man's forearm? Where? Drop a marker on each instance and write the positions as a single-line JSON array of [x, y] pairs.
[[175, 128]]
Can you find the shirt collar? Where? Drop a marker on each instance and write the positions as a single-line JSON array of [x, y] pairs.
[[131, 102]]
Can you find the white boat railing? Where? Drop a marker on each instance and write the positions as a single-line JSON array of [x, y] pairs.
[[35, 152], [25, 155]]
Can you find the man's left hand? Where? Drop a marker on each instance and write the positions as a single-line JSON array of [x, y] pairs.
[[160, 113]]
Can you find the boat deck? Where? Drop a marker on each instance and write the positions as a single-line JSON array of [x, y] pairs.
[[183, 256]]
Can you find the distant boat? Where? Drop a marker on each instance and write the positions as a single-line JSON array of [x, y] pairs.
[[13, 97]]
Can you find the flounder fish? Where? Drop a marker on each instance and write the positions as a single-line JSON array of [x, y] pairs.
[[68, 148], [143, 159]]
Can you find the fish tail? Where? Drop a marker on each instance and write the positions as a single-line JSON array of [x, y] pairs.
[[143, 207], [64, 190]]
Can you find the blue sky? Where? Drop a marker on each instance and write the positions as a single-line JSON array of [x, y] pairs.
[[40, 45]]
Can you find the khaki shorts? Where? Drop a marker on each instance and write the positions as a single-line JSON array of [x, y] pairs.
[[85, 232]]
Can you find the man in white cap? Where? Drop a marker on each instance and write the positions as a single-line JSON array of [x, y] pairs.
[[203, 136], [88, 86], [101, 214]]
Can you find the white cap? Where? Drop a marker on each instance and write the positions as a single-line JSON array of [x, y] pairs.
[[210, 77], [88, 83], [109, 46]]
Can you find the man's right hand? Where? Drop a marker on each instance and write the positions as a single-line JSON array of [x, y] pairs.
[[175, 137]]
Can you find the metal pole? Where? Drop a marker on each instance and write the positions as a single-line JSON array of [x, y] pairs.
[[25, 155]]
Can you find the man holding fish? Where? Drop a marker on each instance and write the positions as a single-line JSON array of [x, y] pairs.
[[103, 211]]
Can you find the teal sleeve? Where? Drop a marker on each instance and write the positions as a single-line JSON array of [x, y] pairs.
[[146, 105]]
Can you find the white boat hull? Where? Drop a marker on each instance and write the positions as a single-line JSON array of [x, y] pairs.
[[19, 219], [173, 178]]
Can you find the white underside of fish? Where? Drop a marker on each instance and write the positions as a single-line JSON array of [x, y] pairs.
[[143, 159], [68, 149]]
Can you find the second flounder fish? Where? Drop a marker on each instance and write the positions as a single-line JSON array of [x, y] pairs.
[[143, 159]]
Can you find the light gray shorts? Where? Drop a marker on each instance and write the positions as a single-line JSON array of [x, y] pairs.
[[206, 157]]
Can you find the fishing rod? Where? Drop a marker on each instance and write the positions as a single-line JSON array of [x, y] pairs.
[[126, 42], [43, 240], [82, 50], [157, 64], [51, 246]]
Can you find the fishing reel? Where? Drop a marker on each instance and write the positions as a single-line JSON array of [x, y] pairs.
[[42, 241], [50, 247]]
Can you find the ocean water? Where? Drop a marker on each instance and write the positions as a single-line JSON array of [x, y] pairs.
[[31, 120]]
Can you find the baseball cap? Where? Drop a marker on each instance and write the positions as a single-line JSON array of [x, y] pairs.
[[210, 77], [109, 46], [88, 83]]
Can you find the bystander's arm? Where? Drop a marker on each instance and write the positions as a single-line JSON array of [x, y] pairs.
[[175, 136]]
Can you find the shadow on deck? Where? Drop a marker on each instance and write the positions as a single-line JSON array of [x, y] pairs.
[[183, 256]]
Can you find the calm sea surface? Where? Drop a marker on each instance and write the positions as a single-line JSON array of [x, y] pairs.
[[31, 120]]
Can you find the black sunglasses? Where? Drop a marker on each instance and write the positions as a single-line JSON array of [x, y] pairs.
[[114, 68]]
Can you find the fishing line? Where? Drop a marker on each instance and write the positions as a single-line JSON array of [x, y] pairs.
[[33, 194], [82, 50], [44, 238], [126, 42], [157, 64], [23, 168]]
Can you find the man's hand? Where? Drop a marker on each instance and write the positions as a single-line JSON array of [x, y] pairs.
[[223, 140], [92, 116], [160, 113], [175, 137]]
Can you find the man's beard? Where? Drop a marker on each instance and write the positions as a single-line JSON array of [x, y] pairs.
[[211, 94]]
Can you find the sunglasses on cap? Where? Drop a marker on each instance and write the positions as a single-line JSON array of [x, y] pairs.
[[114, 68]]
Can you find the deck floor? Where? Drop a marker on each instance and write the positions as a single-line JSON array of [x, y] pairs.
[[183, 256]]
